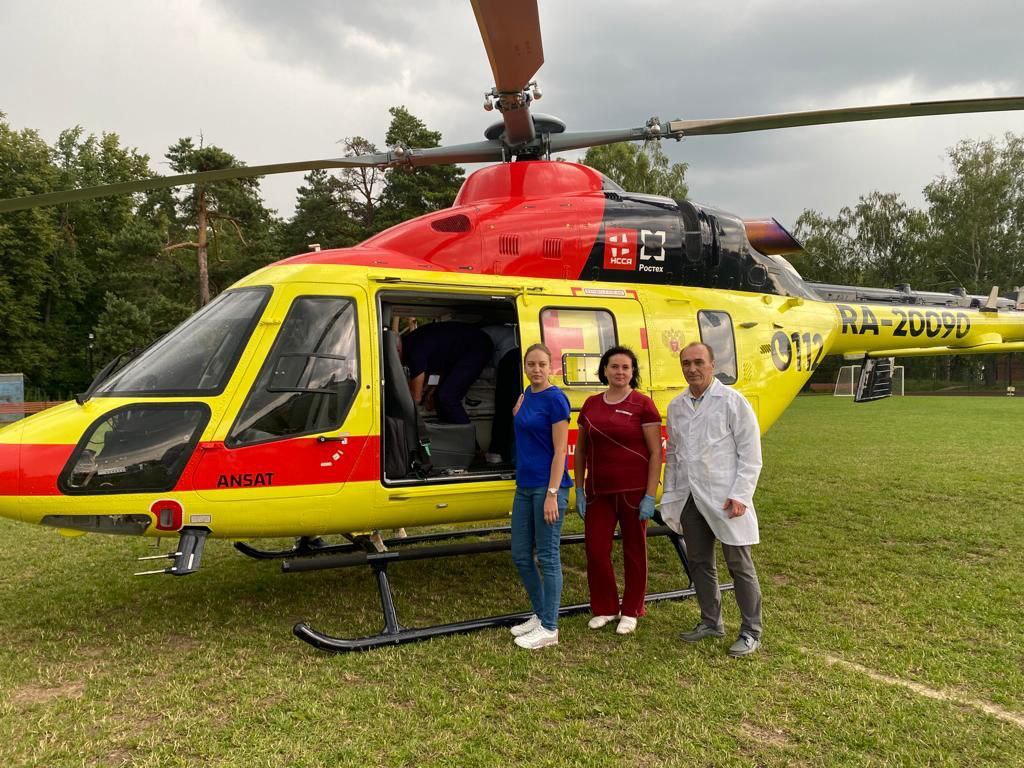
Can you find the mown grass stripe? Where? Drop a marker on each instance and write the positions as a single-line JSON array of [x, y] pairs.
[[923, 690]]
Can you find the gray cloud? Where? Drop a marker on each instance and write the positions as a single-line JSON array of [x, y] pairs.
[[274, 82]]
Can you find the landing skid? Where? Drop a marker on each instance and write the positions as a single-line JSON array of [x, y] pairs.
[[307, 545], [394, 633], [313, 545]]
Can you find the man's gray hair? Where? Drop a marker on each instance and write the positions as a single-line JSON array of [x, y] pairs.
[[711, 352]]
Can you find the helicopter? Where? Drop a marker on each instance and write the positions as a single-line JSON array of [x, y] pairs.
[[282, 409]]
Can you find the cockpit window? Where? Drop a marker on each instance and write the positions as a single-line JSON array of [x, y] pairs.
[[310, 378], [607, 185], [135, 449], [197, 357]]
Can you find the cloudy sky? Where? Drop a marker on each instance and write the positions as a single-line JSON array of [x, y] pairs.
[[274, 81]]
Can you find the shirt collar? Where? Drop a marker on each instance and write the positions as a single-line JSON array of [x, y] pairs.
[[711, 391]]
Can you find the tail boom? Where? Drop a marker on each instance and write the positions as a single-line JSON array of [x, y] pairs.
[[879, 330]]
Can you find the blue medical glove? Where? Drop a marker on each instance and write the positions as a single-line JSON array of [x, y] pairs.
[[647, 508], [581, 505]]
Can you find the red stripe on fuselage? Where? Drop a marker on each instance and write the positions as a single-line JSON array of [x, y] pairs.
[[299, 461], [36, 469], [10, 462], [288, 462]]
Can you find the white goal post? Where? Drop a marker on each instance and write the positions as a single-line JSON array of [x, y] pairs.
[[849, 375]]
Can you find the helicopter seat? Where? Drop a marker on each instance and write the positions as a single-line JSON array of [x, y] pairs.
[[412, 445]]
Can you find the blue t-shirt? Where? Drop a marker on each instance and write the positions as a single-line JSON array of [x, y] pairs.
[[534, 447]]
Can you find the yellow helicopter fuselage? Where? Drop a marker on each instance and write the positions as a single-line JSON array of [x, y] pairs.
[[240, 469]]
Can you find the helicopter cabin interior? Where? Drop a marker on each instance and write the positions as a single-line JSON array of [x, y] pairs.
[[418, 446]]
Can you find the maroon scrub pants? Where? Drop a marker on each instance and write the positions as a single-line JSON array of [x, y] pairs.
[[604, 512]]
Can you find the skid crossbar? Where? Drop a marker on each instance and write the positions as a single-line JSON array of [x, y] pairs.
[[394, 633], [305, 546]]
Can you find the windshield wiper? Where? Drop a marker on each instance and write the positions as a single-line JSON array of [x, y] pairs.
[[83, 397]]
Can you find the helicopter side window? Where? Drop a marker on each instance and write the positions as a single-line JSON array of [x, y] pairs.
[[135, 449], [197, 357], [716, 332], [577, 338], [310, 378]]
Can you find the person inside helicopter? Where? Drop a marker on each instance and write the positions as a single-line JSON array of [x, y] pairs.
[[447, 356]]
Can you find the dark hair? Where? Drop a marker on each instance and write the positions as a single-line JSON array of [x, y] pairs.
[[711, 352], [533, 348], [619, 350]]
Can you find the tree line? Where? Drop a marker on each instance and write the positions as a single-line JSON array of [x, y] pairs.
[[83, 282], [970, 236]]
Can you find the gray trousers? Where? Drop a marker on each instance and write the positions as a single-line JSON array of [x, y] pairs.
[[700, 550]]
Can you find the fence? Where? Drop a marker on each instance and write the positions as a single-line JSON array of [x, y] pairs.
[[18, 410]]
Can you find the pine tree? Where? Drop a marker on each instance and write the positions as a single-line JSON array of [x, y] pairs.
[[410, 194]]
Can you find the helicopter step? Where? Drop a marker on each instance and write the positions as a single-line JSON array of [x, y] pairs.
[[187, 557], [394, 633]]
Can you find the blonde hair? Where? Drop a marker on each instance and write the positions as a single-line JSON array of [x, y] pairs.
[[534, 348]]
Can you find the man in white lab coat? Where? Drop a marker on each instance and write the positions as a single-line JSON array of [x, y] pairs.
[[711, 470]]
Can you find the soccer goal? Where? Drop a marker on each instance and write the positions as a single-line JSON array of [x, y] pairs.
[[849, 375]]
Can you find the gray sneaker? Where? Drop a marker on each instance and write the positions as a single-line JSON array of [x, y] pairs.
[[744, 646], [701, 631]]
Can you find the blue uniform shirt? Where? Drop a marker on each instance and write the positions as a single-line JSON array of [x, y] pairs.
[[534, 446], [441, 347]]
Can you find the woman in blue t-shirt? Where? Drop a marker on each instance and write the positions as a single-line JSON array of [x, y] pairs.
[[542, 494]]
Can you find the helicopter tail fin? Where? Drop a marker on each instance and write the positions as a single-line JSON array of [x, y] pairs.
[[992, 302]]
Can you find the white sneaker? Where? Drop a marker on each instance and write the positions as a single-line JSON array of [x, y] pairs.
[[626, 625], [493, 458], [538, 638], [526, 627], [599, 621]]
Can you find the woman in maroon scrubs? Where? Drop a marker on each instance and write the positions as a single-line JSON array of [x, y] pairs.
[[617, 468]]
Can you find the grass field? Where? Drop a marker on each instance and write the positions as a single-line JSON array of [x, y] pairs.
[[893, 545]]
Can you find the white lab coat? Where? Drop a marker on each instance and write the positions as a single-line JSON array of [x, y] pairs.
[[714, 453]]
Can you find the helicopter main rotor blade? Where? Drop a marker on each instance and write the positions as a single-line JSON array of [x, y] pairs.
[[476, 152], [563, 142], [511, 35], [845, 115], [677, 129]]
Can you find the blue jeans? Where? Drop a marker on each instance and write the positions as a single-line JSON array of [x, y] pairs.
[[529, 532]]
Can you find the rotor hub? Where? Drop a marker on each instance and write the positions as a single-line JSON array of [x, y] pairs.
[[542, 124]]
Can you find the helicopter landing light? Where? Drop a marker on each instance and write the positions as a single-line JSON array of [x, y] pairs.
[[168, 514]]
